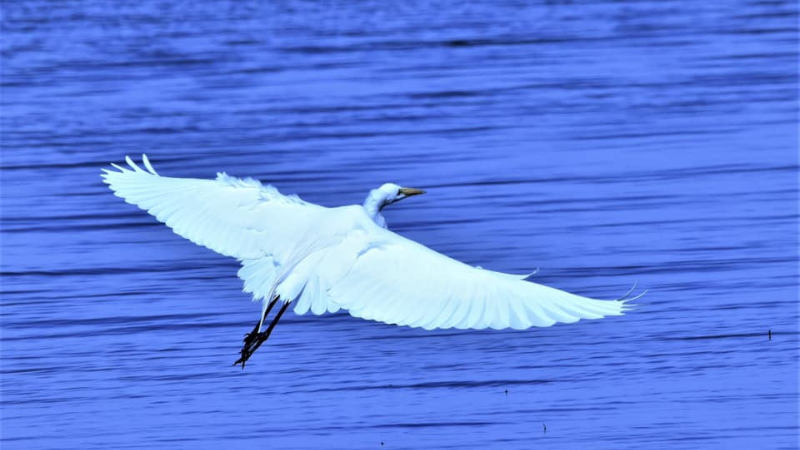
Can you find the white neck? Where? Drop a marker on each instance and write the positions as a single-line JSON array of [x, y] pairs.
[[373, 204]]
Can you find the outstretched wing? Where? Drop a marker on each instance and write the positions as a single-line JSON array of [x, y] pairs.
[[398, 281], [358, 266], [235, 217]]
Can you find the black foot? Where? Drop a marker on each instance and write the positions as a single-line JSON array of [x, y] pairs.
[[251, 343], [254, 339]]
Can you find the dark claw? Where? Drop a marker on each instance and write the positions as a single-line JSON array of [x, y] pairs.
[[251, 344], [253, 340]]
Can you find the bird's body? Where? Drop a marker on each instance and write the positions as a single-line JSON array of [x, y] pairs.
[[325, 259]]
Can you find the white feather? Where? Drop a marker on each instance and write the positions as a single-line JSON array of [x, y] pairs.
[[326, 259]]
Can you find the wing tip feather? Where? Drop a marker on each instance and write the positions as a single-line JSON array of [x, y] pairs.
[[147, 165]]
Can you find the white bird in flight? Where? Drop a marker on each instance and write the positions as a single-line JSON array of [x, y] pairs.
[[325, 259]]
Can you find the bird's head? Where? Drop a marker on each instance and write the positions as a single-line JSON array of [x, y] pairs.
[[386, 195], [391, 193]]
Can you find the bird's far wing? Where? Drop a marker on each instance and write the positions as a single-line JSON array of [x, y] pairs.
[[235, 217], [398, 281]]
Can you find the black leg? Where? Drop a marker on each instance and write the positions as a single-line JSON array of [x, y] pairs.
[[252, 343], [251, 336], [271, 326]]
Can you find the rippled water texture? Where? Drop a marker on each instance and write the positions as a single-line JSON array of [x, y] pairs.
[[606, 143]]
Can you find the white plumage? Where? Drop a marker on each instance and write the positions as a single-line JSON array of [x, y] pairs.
[[326, 259]]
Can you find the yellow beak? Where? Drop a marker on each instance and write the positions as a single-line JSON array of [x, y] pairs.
[[408, 192]]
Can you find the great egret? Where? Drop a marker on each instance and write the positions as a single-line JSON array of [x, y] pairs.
[[325, 259]]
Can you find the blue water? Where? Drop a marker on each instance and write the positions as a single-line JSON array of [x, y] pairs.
[[605, 143]]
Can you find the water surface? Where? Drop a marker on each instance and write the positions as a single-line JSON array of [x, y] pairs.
[[605, 143]]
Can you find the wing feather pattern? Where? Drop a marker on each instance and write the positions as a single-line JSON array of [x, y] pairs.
[[401, 282], [235, 217]]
